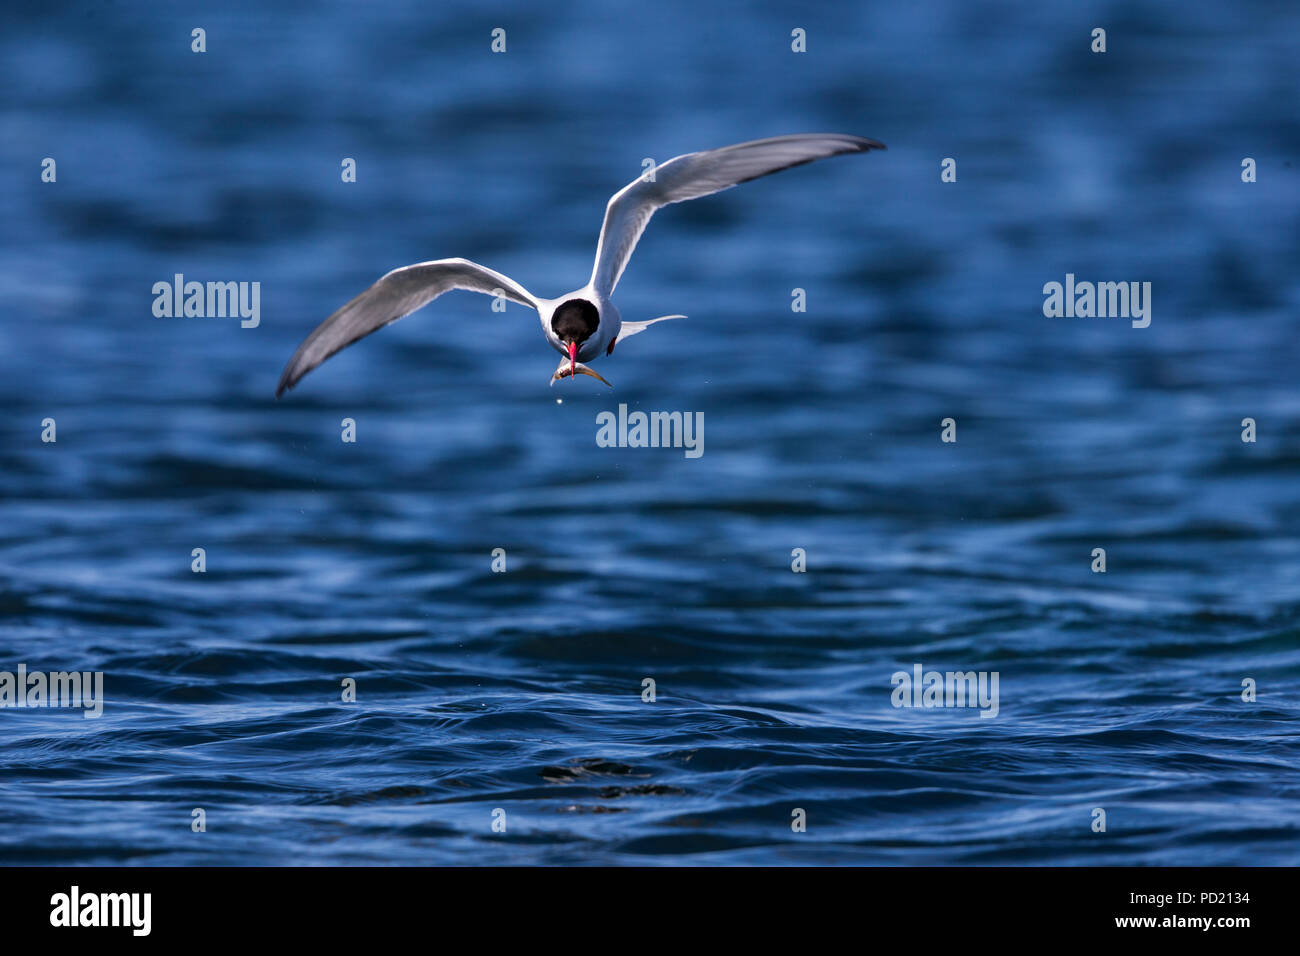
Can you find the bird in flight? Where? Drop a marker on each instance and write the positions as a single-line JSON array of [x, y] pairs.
[[584, 324]]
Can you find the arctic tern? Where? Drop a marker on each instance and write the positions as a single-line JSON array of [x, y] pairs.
[[584, 324]]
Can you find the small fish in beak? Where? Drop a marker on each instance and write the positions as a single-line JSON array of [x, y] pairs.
[[575, 368]]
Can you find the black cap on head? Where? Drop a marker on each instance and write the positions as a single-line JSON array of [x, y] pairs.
[[575, 321]]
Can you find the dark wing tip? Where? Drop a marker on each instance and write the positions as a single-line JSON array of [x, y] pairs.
[[287, 379], [297, 367], [863, 144], [850, 143]]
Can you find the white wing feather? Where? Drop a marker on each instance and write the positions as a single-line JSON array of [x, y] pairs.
[[702, 174], [397, 294]]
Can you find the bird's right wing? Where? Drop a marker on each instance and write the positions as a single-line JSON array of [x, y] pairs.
[[397, 294], [702, 174]]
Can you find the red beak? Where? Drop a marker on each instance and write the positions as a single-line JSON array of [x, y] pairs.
[[573, 359]]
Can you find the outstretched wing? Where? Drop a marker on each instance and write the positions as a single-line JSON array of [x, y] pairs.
[[397, 294], [629, 329], [702, 174]]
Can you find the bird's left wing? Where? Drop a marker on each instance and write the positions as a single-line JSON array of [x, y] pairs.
[[397, 294], [701, 174], [629, 329]]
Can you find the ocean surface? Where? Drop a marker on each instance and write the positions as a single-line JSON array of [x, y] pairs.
[[499, 717]]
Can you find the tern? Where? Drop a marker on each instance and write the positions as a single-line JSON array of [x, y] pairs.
[[584, 324]]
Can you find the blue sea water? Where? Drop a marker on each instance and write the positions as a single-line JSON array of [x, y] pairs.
[[522, 691]]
